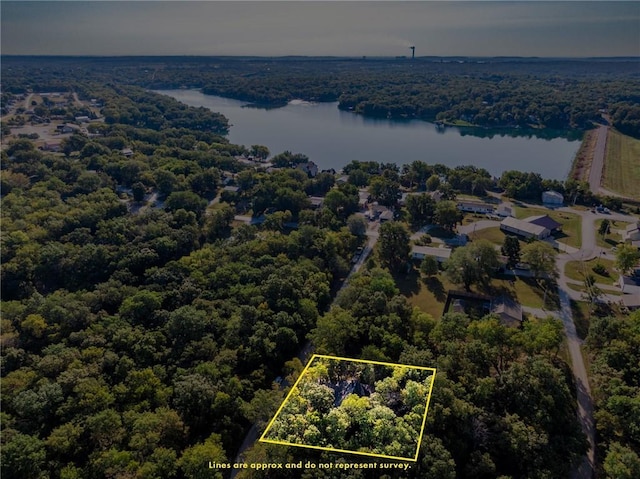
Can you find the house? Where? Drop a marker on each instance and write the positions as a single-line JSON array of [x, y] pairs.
[[436, 195], [629, 284], [440, 254], [475, 207], [82, 119], [386, 216], [128, 152], [232, 189], [508, 310], [53, 146], [524, 228], [630, 287], [67, 128], [552, 198], [310, 168], [504, 210], [316, 202], [631, 233], [545, 221]]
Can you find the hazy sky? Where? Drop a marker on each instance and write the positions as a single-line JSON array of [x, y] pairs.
[[474, 28]]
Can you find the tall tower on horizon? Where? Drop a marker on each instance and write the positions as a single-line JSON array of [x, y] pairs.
[[413, 52]]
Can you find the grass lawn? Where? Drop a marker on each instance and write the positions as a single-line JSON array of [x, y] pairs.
[[495, 235], [428, 294], [526, 291], [622, 165], [613, 238], [571, 223], [575, 270]]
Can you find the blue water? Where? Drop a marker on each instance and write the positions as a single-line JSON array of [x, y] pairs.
[[332, 138]]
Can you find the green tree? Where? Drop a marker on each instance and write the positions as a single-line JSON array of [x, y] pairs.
[[511, 249], [621, 462], [421, 209], [429, 266], [627, 257], [357, 225], [433, 183], [604, 228], [185, 200], [139, 191], [447, 214], [195, 459], [393, 245], [471, 264], [541, 258], [384, 190]]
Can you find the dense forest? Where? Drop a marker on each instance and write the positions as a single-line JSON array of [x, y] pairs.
[[143, 327], [356, 407], [492, 92]]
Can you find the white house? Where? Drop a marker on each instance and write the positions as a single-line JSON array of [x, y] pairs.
[[552, 198], [440, 254], [504, 210], [632, 232], [630, 287], [524, 228], [310, 168], [475, 207]]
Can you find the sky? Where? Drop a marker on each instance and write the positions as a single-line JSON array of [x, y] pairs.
[[268, 28]]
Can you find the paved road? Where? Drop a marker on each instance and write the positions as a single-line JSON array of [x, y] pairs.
[[585, 403], [597, 163]]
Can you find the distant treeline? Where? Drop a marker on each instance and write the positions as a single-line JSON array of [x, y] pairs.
[[553, 93]]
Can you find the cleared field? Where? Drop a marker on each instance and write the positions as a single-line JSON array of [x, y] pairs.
[[613, 237], [430, 294], [576, 270], [622, 165], [571, 223]]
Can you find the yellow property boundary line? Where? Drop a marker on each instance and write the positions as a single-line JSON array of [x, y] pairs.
[[330, 449]]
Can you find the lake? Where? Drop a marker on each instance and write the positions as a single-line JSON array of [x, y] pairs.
[[332, 138]]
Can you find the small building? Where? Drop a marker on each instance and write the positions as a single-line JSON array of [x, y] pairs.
[[386, 216], [436, 195], [128, 152], [545, 221], [475, 207], [508, 310], [631, 233], [552, 198], [82, 119], [440, 254], [53, 146], [504, 210], [67, 128], [231, 189], [524, 228], [310, 168], [629, 285], [316, 202]]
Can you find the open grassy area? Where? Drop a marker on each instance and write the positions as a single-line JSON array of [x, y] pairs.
[[430, 294], [612, 238], [495, 235], [622, 165], [571, 223], [577, 269]]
